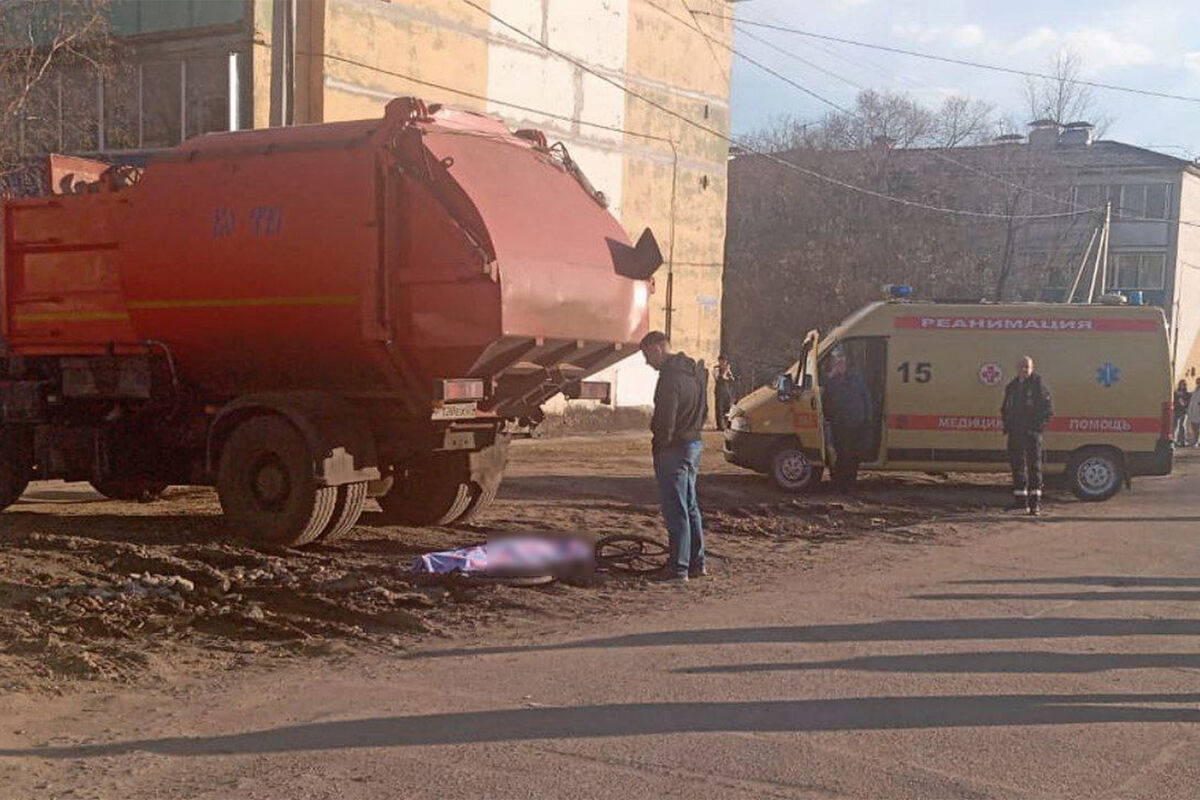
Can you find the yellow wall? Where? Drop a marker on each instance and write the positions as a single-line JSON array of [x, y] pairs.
[[652, 47]]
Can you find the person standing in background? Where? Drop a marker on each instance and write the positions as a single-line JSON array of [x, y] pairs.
[[722, 390], [1026, 410], [1182, 399], [847, 403], [1193, 414]]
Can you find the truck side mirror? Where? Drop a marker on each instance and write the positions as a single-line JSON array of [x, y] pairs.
[[785, 387]]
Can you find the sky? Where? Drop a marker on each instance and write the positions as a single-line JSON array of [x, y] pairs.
[[1150, 44]]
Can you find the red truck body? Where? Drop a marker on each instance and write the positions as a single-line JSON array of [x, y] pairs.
[[365, 268]]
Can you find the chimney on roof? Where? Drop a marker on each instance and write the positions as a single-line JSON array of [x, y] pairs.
[[1010, 138], [1043, 133], [1078, 133]]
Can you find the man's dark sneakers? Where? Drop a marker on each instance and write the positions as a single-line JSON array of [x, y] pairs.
[[1035, 510], [702, 572]]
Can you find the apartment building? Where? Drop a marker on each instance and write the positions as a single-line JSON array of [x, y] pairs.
[[1034, 203]]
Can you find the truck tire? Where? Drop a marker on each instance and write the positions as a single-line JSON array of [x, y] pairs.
[[792, 471], [1095, 473], [482, 498], [427, 497], [266, 486], [350, 500], [138, 490], [16, 465]]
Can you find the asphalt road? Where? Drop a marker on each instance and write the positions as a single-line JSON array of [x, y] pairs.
[[1054, 657]]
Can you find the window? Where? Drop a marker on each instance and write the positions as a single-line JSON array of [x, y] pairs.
[[157, 103], [207, 95], [1089, 196], [1136, 270], [121, 126], [1156, 200], [1129, 201], [1050, 200], [161, 123]]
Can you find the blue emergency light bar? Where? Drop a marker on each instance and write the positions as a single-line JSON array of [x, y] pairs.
[[898, 291]]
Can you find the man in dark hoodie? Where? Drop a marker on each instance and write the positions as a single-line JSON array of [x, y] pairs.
[[680, 408], [1026, 410]]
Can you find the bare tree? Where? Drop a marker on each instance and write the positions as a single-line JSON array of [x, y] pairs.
[[877, 117], [961, 121], [1061, 97], [896, 120], [52, 55]]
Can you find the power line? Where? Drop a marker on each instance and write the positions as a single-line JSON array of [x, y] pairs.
[[770, 156], [933, 151], [937, 153], [486, 98], [711, 40], [804, 61], [948, 60]]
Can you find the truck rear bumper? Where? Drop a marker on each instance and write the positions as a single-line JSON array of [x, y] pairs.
[[1160, 462]]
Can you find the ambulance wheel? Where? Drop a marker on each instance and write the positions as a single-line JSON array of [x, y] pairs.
[[426, 497], [266, 486], [1095, 473], [792, 471], [16, 464], [132, 489]]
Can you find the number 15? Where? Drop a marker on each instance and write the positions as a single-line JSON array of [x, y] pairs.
[[922, 374]]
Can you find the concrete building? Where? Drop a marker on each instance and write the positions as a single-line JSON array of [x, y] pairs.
[[204, 65], [1154, 238], [1036, 191]]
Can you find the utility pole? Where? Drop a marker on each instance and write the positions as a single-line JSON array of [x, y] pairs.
[[1101, 255], [1083, 264]]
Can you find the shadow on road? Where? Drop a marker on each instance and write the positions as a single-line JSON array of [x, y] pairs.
[[141, 528], [887, 631], [1085, 580], [1082, 597], [1146, 519], [1022, 662], [640, 719]]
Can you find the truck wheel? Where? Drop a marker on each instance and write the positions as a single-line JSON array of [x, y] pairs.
[[139, 490], [481, 499], [350, 500], [1095, 473], [792, 471], [425, 498], [16, 465], [266, 486]]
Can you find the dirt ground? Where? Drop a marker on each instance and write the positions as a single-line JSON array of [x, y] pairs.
[[116, 592]]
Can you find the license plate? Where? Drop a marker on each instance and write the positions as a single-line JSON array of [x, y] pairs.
[[456, 411]]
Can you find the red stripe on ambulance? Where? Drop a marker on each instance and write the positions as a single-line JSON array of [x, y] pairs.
[[974, 424], [1020, 324]]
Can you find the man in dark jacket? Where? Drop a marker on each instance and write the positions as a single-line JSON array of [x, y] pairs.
[[1026, 410], [1183, 398], [847, 404], [723, 389], [680, 408]]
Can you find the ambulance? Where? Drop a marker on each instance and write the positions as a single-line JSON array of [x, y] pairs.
[[937, 372]]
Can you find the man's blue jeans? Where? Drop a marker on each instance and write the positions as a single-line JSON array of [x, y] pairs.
[[676, 469]]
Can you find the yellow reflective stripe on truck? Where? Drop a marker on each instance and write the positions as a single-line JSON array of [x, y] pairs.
[[246, 302]]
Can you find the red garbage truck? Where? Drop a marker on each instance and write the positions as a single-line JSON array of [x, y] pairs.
[[309, 316]]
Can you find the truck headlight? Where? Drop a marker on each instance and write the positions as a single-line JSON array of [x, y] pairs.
[[740, 422]]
